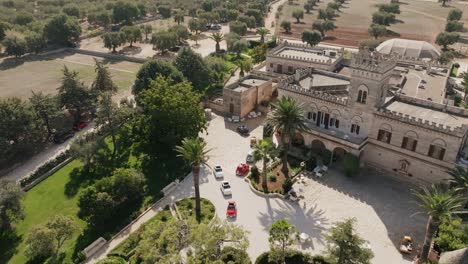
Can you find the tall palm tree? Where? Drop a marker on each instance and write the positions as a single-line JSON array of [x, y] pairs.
[[265, 150], [195, 152], [438, 202], [217, 37], [459, 179], [262, 32], [287, 118]]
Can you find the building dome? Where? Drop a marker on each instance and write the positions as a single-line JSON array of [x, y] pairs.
[[409, 48]]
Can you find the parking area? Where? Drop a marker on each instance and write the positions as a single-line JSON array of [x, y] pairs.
[[381, 205]]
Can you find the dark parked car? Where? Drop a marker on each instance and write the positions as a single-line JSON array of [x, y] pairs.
[[62, 137], [243, 130]]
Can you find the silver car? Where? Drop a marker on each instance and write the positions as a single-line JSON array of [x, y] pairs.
[[226, 188]]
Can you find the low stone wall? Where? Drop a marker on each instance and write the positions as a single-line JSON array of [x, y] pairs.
[[46, 175], [262, 194], [108, 55]]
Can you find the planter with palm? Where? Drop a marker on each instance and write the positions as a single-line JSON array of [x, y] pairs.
[[438, 202], [217, 37], [195, 151], [265, 151], [287, 119]]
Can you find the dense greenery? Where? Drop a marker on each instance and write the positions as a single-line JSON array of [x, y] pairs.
[[345, 246], [171, 112], [11, 209]]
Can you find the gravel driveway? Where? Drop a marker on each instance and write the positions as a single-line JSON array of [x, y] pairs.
[[380, 204]]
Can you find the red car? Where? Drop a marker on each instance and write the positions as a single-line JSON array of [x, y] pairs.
[[231, 209], [242, 169], [80, 125]]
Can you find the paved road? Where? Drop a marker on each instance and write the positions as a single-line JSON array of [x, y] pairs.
[[379, 204]]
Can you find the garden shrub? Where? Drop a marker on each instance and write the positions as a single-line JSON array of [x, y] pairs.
[[351, 164], [233, 255], [292, 257], [112, 260], [48, 166]]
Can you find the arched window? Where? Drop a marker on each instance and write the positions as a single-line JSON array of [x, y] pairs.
[[385, 133], [362, 94], [410, 141], [356, 125], [437, 149]]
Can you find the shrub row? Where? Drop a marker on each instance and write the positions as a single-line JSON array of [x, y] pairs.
[[48, 166]]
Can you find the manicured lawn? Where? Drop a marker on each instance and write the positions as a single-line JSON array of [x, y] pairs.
[[46, 200], [59, 194]]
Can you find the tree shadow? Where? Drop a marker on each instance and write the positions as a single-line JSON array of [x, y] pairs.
[[161, 171], [9, 242], [392, 33], [390, 200], [108, 226]]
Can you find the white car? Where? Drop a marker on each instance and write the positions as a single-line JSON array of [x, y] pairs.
[[218, 172], [226, 188], [249, 158]]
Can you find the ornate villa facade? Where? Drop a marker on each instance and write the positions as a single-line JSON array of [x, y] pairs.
[[362, 113]]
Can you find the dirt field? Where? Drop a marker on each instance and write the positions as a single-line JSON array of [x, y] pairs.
[[419, 20], [20, 77]]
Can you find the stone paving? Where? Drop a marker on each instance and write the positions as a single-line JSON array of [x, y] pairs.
[[381, 205]]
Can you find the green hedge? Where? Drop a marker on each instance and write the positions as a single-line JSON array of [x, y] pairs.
[[48, 166], [293, 257]]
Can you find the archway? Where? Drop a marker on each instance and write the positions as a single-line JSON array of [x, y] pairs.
[[339, 154], [317, 146], [298, 140]]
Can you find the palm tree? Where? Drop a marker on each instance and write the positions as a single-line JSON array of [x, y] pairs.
[[194, 151], [287, 119], [244, 66], [262, 32], [459, 179], [265, 150], [217, 37], [438, 202]]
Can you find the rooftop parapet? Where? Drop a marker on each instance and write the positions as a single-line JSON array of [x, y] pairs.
[[373, 61], [315, 94], [456, 131]]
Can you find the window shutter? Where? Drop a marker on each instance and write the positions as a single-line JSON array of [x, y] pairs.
[[379, 135], [337, 123], [415, 143], [431, 151], [389, 138], [442, 153], [357, 129], [405, 142], [364, 97], [352, 128]]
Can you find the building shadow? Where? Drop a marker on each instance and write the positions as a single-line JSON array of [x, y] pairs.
[[390, 199]]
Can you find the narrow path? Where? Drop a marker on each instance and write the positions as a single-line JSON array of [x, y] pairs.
[[422, 13], [90, 64]]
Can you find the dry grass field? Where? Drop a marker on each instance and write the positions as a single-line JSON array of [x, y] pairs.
[[419, 20], [20, 77]]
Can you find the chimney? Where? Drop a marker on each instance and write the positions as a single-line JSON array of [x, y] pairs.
[[311, 83], [297, 76]]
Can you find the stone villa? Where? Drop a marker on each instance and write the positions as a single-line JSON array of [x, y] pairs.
[[390, 112]]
